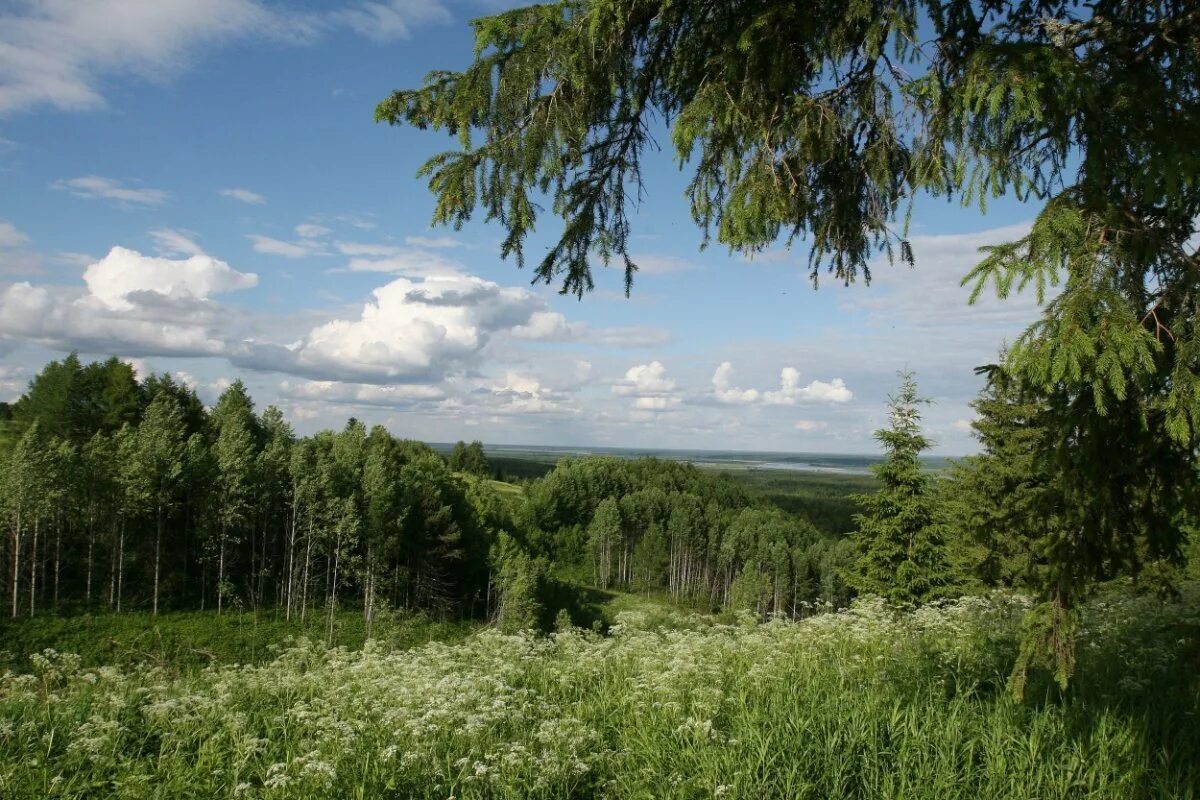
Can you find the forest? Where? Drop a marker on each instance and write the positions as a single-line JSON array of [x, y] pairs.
[[203, 603], [122, 495]]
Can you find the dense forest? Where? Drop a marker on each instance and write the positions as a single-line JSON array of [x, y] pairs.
[[120, 494]]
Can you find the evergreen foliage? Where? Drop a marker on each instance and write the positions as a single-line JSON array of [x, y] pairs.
[[823, 120], [900, 542]]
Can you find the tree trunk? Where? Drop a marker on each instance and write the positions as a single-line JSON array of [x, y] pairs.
[[307, 562], [158, 526], [57, 557], [33, 567], [91, 555], [221, 572], [16, 587], [337, 551], [291, 566], [120, 566]]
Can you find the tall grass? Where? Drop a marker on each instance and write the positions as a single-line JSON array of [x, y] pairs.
[[866, 703]]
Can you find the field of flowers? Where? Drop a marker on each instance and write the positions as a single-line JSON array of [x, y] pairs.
[[865, 703]]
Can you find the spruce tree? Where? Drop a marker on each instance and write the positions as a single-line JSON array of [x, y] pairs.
[[899, 542], [823, 121]]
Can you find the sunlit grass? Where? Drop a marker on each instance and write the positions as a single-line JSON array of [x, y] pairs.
[[867, 703]]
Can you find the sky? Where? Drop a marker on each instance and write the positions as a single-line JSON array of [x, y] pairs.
[[201, 189]]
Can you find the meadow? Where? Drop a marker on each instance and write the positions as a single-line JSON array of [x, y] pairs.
[[866, 702]]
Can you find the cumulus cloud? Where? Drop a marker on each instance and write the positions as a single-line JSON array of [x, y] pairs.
[[132, 305], [810, 425], [124, 278], [645, 379], [791, 392], [59, 52], [726, 392], [415, 330], [522, 393], [101, 188], [650, 388], [244, 196]]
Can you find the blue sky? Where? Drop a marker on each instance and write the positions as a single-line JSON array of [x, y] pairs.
[[201, 188]]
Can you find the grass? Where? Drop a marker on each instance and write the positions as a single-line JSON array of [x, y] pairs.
[[181, 641], [866, 703]]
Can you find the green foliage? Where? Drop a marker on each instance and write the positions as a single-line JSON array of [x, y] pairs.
[[229, 508], [470, 458], [823, 120], [900, 541], [522, 582], [182, 642], [1063, 498], [870, 702]]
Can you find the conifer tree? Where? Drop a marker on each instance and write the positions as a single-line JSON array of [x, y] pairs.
[[899, 542], [823, 121]]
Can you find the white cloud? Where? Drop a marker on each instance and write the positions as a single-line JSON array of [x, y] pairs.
[[97, 187], [791, 392], [59, 52], [171, 242], [662, 264], [277, 247], [10, 236], [523, 394], [725, 392], [415, 330], [929, 295], [365, 394], [963, 425], [810, 425], [651, 389], [309, 230], [551, 326], [409, 261], [656, 403], [387, 21], [244, 196], [645, 379], [433, 242], [133, 305], [124, 277]]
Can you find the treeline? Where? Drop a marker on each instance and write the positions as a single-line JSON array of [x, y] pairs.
[[118, 493], [651, 525]]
